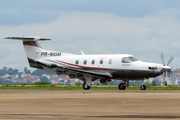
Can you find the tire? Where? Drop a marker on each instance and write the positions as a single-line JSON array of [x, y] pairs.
[[121, 87], [124, 87], [86, 87], [143, 87]]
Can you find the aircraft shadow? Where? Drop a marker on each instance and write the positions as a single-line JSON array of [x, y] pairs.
[[112, 116], [30, 115], [139, 116]]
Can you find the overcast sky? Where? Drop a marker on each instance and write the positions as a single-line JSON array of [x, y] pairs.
[[143, 28]]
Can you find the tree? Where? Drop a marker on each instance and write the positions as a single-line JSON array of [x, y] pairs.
[[3, 71], [68, 82], [153, 83], [38, 72], [44, 79], [10, 71], [27, 71], [62, 81], [16, 71], [5, 68], [165, 83]]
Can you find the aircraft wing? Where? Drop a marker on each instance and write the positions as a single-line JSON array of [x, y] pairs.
[[75, 70], [87, 72]]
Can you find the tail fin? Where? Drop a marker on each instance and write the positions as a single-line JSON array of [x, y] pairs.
[[32, 48]]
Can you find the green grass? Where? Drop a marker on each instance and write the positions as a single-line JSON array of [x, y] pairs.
[[79, 87]]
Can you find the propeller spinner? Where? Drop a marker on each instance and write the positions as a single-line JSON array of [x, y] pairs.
[[166, 68]]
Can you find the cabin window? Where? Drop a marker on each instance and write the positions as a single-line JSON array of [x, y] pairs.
[[126, 60], [77, 62], [110, 61], [101, 61], [85, 62], [93, 61]]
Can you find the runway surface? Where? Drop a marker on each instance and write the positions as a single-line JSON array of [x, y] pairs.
[[89, 105]]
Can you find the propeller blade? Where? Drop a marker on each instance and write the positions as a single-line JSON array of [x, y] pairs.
[[163, 79], [162, 58], [164, 74], [170, 60]]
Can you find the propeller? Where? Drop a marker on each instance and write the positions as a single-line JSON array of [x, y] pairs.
[[162, 58], [170, 60]]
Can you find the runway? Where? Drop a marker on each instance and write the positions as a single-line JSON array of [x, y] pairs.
[[89, 105]]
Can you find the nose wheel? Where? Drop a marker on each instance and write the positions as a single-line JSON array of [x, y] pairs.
[[143, 87], [85, 86]]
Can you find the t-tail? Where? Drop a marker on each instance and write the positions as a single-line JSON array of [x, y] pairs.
[[33, 49]]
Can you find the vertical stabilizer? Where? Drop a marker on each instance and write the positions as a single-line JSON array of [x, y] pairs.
[[32, 48]]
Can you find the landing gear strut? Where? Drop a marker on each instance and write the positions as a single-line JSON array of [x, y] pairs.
[[123, 84], [143, 87]]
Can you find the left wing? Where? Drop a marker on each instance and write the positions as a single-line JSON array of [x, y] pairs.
[[71, 70]]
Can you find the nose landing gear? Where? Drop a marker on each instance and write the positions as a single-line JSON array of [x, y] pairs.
[[143, 87], [85, 86]]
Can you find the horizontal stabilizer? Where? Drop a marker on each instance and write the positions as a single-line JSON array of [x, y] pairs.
[[27, 38]]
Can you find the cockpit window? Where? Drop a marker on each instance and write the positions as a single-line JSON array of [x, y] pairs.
[[126, 60], [133, 59]]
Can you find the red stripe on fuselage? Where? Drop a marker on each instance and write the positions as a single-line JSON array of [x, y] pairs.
[[90, 67]]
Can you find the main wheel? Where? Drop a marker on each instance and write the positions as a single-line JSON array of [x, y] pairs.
[[85, 86], [124, 87], [143, 87], [121, 86]]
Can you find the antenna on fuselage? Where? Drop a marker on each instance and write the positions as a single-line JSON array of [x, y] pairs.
[[82, 53]]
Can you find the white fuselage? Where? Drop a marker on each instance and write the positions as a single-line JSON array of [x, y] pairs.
[[103, 63]]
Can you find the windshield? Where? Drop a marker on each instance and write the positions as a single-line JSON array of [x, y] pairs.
[[133, 59]]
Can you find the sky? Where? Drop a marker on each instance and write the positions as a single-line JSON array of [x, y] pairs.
[[143, 28]]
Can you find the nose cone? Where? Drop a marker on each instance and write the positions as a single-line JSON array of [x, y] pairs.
[[165, 68]]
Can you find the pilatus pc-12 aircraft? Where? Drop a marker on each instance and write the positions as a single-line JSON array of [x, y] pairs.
[[89, 68]]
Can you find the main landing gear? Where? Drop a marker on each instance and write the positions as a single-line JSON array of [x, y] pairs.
[[143, 87], [86, 87], [122, 86], [125, 83]]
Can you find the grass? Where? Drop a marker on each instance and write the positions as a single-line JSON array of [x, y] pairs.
[[79, 87]]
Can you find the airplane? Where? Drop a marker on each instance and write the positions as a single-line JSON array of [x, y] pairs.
[[103, 67]]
